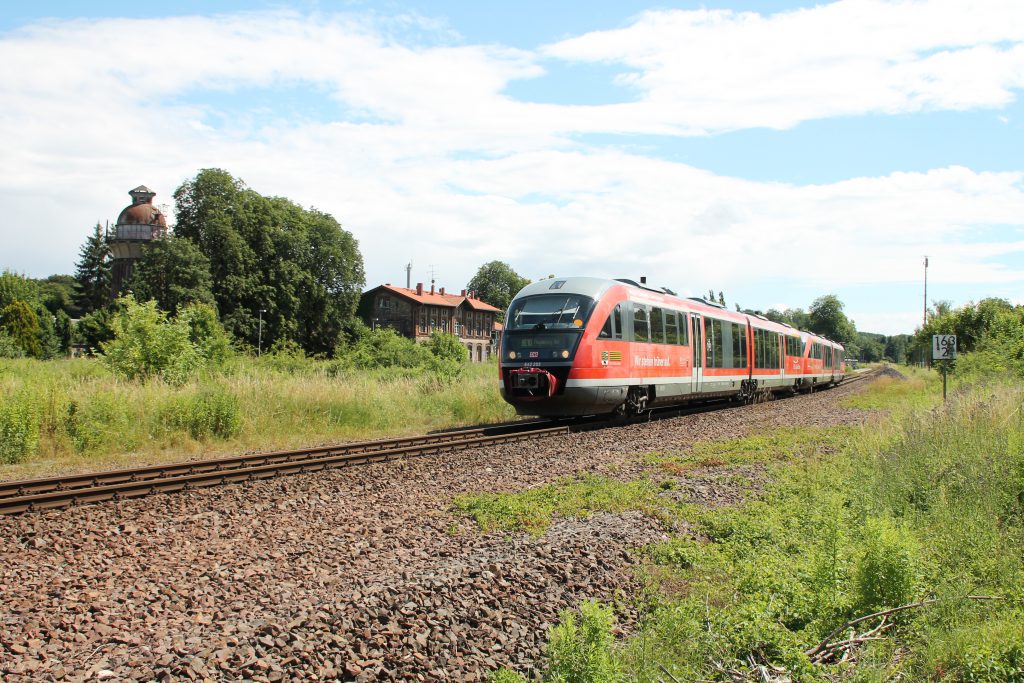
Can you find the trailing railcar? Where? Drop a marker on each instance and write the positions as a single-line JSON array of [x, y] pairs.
[[587, 346]]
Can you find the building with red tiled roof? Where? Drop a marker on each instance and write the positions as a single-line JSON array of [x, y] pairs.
[[418, 313]]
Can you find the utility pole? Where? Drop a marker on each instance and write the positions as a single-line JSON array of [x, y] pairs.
[[925, 323]]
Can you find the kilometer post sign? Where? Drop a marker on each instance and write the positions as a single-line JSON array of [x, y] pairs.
[[944, 349]]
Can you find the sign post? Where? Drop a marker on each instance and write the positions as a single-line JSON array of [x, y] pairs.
[[944, 349]]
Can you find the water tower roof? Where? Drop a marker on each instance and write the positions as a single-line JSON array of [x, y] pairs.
[[141, 211]]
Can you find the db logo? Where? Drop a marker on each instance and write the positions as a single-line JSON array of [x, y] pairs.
[[534, 354]]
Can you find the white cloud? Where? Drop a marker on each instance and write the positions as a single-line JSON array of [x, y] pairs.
[[714, 70]]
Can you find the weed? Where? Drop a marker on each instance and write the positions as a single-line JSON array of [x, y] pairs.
[[533, 509], [19, 427]]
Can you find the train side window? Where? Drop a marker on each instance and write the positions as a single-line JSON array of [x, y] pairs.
[[641, 326], [612, 328], [657, 325], [684, 329], [739, 346], [672, 327], [716, 343]]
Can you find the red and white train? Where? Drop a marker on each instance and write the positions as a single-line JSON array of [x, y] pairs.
[[588, 346]]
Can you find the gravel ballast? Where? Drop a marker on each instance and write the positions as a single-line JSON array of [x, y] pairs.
[[357, 574]]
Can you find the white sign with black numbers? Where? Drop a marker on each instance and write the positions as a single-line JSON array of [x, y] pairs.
[[943, 346]]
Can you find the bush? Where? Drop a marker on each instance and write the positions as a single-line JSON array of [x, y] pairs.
[[583, 653], [21, 324], [100, 422], [146, 344], [206, 333], [209, 412], [385, 348], [885, 572], [19, 427]]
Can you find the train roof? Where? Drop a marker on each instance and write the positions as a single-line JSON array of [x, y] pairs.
[[594, 287]]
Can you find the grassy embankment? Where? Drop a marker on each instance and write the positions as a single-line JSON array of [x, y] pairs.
[[68, 414], [922, 508]]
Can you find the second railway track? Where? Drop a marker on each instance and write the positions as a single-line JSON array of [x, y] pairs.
[[56, 492]]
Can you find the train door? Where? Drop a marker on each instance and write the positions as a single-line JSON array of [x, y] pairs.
[[698, 353]]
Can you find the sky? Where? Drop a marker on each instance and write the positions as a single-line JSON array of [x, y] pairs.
[[774, 151]]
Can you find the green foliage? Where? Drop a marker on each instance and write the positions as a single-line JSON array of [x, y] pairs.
[[93, 272], [173, 272], [992, 328], [582, 653], [8, 347], [885, 572], [16, 287], [496, 283], [146, 344], [96, 328], [827, 318], [102, 422], [447, 356], [385, 348], [57, 294], [992, 652], [206, 333], [21, 324], [19, 427], [269, 253], [928, 506], [504, 675], [532, 510], [209, 412]]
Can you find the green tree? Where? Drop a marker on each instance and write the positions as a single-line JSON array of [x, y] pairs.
[[268, 253], [14, 286], [92, 273], [57, 294], [496, 283], [95, 328], [21, 324], [826, 318], [206, 333], [173, 272]]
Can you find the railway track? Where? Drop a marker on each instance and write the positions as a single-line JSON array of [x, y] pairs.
[[56, 492]]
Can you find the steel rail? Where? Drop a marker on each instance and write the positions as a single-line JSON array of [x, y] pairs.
[[91, 479], [247, 472]]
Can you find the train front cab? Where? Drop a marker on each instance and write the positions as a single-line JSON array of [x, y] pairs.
[[549, 331]]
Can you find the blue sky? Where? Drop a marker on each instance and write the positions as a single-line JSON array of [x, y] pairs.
[[776, 151]]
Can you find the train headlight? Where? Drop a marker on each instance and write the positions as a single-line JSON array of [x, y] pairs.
[[511, 355], [565, 354]]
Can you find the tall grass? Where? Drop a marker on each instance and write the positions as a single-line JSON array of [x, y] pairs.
[[74, 413]]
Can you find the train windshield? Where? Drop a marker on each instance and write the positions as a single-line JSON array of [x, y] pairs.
[[549, 312]]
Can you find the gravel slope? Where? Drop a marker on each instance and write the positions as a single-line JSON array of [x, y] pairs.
[[361, 574]]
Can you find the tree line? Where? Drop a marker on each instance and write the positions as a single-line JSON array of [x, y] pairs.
[[250, 256]]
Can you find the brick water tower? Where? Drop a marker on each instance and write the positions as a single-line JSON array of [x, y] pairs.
[[139, 224]]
